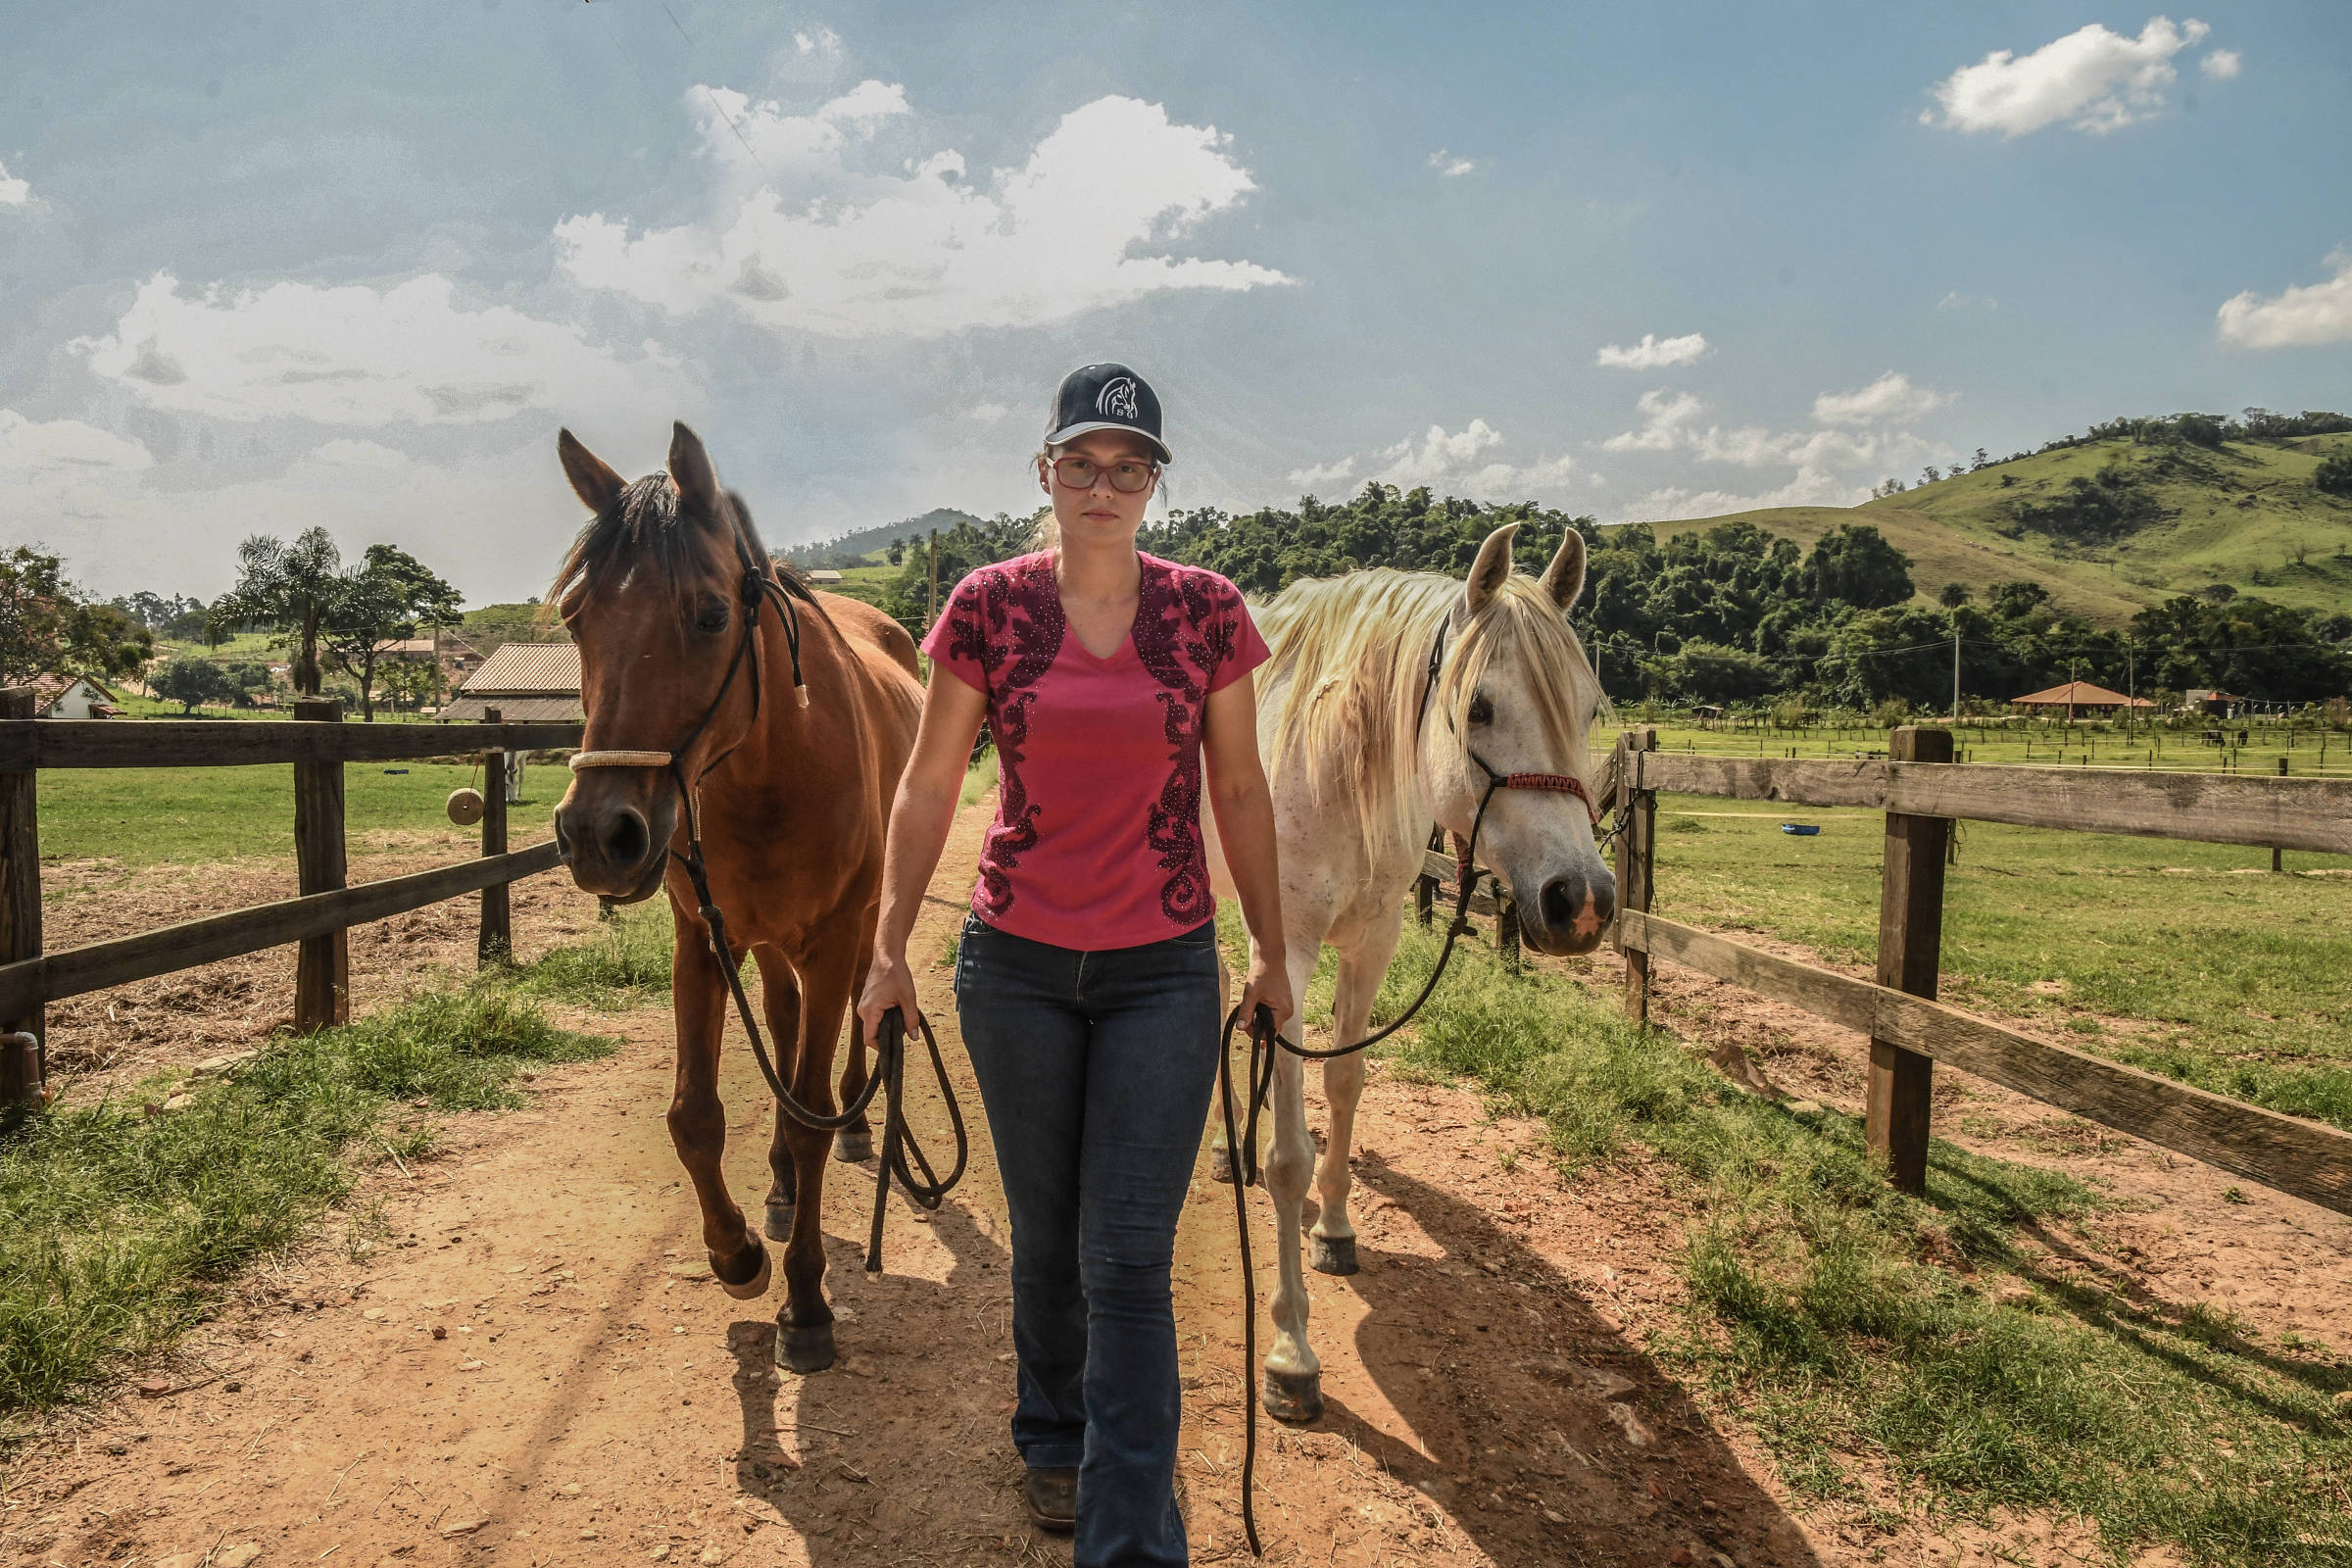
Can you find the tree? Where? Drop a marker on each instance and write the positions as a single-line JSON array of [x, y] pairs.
[[1854, 563], [247, 677], [289, 588], [2333, 475], [897, 551], [155, 611], [48, 626], [190, 681], [384, 601], [1952, 594]]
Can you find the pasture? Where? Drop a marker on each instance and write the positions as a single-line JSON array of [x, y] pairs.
[[201, 815], [2189, 959]]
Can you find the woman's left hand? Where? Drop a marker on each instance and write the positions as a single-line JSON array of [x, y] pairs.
[[1269, 984]]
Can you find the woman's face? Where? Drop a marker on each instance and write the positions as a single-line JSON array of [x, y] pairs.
[[1099, 514]]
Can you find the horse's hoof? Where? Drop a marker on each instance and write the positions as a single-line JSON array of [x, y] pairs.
[[778, 1223], [1292, 1397], [753, 1284], [1220, 1165], [809, 1350], [1334, 1255], [854, 1145]]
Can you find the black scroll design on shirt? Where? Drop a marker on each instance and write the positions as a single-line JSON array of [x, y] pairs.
[[1013, 636], [1186, 625]]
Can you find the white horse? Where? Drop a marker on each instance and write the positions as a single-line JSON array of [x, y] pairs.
[[1365, 750]]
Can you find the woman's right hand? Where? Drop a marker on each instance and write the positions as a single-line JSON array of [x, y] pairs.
[[888, 985]]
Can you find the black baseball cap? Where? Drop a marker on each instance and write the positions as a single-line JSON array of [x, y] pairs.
[[1105, 396]]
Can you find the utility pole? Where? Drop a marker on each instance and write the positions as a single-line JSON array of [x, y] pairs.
[[931, 612], [2131, 685], [1955, 674]]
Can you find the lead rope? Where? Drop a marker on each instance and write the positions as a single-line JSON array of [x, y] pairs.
[[889, 1078], [1266, 1038]]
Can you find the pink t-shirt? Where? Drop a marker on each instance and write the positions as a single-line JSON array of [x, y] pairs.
[[1096, 841]]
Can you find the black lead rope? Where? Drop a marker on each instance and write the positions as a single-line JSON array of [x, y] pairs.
[[889, 1078], [1266, 1038]]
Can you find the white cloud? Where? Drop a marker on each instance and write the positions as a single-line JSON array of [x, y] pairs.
[[1957, 300], [51, 462], [988, 413], [1652, 353], [1891, 398], [820, 41], [805, 237], [1666, 418], [1858, 439], [1453, 167], [1465, 462], [495, 524], [13, 192], [1339, 470], [357, 356], [2091, 80], [2221, 65], [1812, 487], [2304, 315]]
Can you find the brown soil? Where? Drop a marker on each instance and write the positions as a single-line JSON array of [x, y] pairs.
[[515, 1354], [109, 1038]]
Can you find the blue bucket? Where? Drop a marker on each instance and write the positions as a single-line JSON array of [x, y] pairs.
[[1803, 830]]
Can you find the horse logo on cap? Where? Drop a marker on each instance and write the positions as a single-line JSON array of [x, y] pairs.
[[1116, 399]]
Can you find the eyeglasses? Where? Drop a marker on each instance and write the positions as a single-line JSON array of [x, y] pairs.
[[1128, 476]]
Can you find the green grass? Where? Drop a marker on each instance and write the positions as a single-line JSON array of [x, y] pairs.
[[625, 964], [2250, 506], [979, 778], [2188, 959], [2309, 751], [118, 1229], [1859, 1329], [203, 815]]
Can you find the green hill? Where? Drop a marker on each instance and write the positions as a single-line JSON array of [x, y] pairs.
[[2245, 514], [850, 549]]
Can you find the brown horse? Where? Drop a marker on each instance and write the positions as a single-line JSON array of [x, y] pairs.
[[670, 597]]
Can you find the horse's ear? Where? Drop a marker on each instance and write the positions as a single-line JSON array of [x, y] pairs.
[[1564, 579], [690, 471], [1487, 571], [597, 486]]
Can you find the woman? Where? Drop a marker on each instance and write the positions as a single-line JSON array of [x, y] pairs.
[[1086, 981]]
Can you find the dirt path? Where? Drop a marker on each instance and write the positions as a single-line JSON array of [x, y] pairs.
[[515, 1354]]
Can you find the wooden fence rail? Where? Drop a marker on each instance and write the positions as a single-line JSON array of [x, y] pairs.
[[1909, 1030], [317, 744]]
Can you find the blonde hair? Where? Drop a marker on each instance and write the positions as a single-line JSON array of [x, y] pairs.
[[1351, 656]]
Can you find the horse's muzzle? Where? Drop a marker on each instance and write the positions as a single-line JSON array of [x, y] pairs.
[[610, 848], [1570, 916]]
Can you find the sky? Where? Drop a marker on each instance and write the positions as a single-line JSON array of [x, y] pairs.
[[269, 266]]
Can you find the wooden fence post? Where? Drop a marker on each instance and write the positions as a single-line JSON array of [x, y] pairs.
[[20, 909], [2277, 854], [322, 968], [497, 942], [1637, 815], [1910, 946]]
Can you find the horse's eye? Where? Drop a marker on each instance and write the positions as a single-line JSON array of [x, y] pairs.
[[713, 618], [1482, 711]]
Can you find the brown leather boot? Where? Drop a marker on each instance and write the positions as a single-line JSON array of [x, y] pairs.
[[1052, 1492]]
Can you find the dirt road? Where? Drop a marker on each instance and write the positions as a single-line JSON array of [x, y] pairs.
[[515, 1354]]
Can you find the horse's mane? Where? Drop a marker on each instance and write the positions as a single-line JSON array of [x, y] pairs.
[[646, 525], [1351, 654]]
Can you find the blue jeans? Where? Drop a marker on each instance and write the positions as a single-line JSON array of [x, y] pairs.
[[1096, 1069]]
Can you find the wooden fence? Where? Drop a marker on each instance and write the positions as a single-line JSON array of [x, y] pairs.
[[1921, 792], [318, 745]]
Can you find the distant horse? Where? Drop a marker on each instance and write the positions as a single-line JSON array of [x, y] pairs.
[[1392, 701], [688, 671]]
